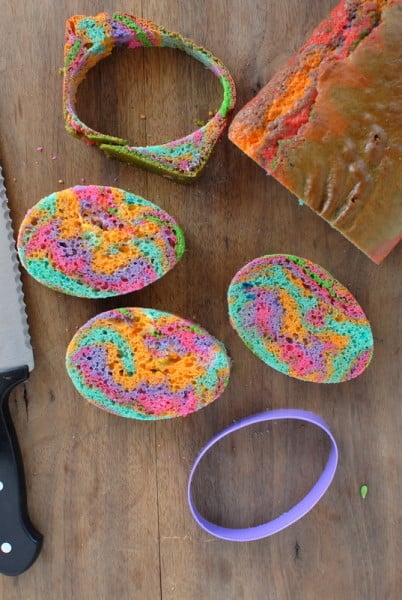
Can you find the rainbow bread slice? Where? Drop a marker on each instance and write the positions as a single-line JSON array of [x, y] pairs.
[[328, 126]]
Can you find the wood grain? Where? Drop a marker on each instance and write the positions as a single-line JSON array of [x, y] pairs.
[[110, 495]]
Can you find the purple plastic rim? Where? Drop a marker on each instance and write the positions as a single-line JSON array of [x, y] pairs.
[[300, 509]]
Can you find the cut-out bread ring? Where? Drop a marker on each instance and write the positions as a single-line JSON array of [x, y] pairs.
[[89, 40]]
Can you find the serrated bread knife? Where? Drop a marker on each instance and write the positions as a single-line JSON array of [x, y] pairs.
[[20, 543]]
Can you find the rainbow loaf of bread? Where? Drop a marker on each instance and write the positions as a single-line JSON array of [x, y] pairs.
[[328, 126]]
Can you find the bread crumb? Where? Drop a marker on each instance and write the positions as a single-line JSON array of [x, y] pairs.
[[142, 116], [61, 181]]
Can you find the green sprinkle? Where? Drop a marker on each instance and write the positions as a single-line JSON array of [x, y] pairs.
[[363, 491]]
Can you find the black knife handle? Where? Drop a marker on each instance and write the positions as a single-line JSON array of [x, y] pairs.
[[20, 543]]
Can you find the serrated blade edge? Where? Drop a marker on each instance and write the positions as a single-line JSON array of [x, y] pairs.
[[15, 343]]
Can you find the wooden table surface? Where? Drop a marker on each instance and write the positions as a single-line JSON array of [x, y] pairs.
[[109, 494]]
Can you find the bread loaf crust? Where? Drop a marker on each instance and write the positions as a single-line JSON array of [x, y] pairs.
[[328, 125]]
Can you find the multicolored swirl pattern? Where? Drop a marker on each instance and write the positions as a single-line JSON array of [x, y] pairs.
[[95, 241], [90, 39], [146, 364], [299, 320]]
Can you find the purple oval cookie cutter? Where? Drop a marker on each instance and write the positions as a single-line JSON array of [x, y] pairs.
[[298, 511]]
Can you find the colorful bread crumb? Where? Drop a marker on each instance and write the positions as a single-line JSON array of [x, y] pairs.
[[299, 320], [96, 241], [147, 364], [90, 39], [328, 126]]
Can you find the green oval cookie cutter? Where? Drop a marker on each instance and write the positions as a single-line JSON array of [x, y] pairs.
[[88, 40]]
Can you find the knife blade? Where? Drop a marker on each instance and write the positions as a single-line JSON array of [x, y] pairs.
[[20, 543]]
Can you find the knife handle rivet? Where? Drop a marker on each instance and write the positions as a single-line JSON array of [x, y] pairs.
[[6, 548], [1, 486]]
